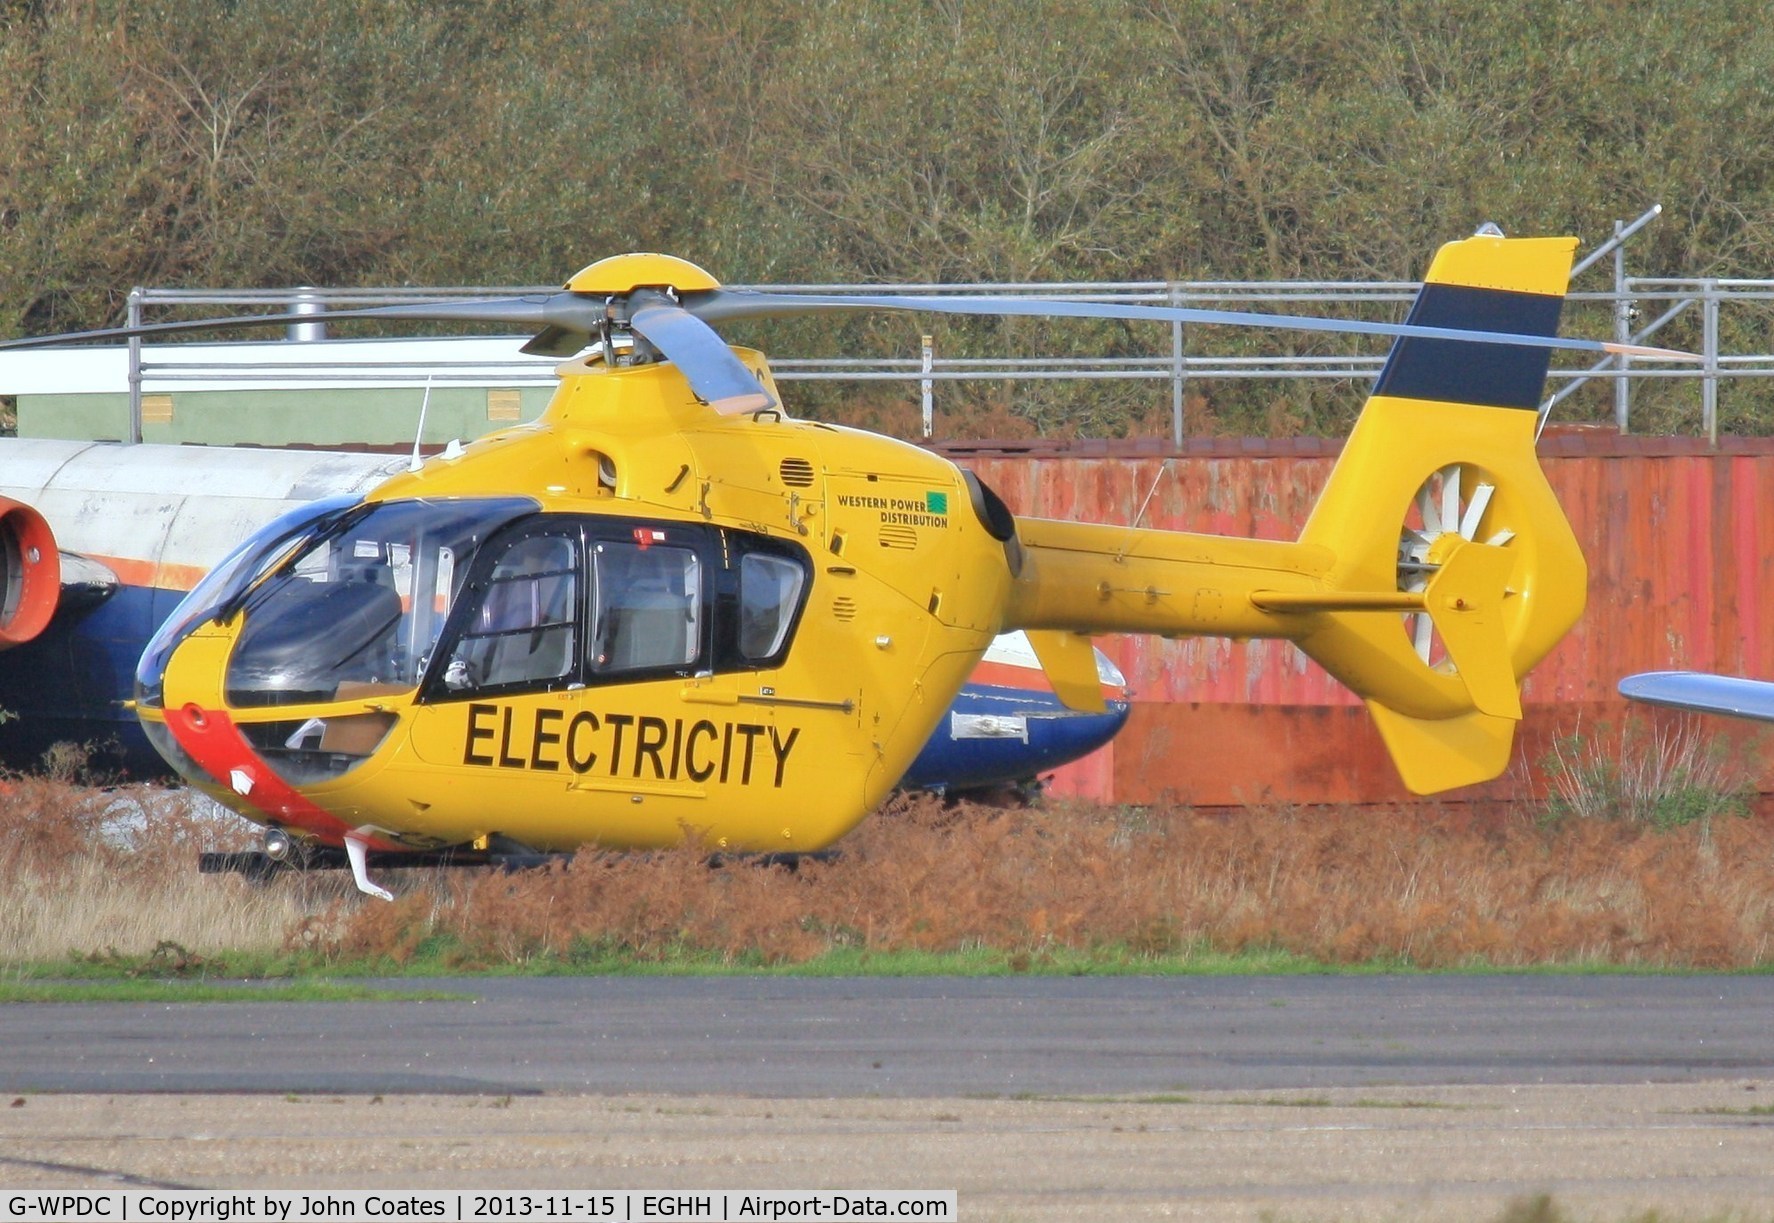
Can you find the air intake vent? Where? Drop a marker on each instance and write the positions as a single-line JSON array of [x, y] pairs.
[[899, 537], [796, 473], [844, 608]]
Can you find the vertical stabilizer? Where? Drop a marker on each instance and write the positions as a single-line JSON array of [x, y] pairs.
[[1439, 495]]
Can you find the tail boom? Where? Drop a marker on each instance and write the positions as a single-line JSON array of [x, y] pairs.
[[1090, 578]]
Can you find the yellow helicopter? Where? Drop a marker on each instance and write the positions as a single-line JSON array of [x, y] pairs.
[[667, 609]]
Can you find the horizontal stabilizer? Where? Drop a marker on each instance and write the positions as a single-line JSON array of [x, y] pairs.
[[1309, 601], [1699, 692]]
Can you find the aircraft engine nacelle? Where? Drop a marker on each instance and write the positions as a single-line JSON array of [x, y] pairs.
[[30, 573]]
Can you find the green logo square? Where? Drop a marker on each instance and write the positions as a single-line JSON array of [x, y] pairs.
[[936, 503]]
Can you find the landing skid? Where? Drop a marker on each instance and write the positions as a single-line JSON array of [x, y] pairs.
[[257, 865]]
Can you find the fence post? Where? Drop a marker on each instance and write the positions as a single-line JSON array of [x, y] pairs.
[[1177, 371], [1709, 394], [926, 385], [1622, 332], [133, 318], [306, 301]]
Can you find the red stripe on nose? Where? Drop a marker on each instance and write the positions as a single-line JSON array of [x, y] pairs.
[[211, 738]]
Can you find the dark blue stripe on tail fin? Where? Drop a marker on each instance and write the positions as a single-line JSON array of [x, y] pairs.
[[1491, 375]]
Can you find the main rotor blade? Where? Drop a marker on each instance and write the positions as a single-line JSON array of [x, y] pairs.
[[718, 377], [573, 312], [722, 305], [566, 316]]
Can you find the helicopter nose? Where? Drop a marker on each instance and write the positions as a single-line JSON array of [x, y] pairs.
[[220, 754]]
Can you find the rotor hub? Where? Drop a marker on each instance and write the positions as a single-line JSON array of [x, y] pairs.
[[619, 275]]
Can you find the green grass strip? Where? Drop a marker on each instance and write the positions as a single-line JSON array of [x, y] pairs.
[[444, 957], [139, 990]]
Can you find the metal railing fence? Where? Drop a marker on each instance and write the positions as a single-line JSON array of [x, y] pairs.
[[1625, 302]]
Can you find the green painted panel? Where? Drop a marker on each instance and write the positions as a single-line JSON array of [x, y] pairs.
[[369, 416], [79, 418]]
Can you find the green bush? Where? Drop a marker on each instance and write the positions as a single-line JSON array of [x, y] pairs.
[[1662, 776]]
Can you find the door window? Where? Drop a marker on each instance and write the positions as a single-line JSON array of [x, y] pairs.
[[522, 629], [769, 597], [648, 607]]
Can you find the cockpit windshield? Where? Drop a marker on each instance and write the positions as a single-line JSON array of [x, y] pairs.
[[355, 611], [230, 579], [334, 593]]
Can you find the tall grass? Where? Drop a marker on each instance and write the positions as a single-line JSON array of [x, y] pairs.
[[1658, 772], [1461, 885], [1340, 886], [96, 871]]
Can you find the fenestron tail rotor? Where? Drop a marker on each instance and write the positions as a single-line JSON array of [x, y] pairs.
[[1452, 506]]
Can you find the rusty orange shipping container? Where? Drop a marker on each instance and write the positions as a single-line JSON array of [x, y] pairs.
[[1680, 541]]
